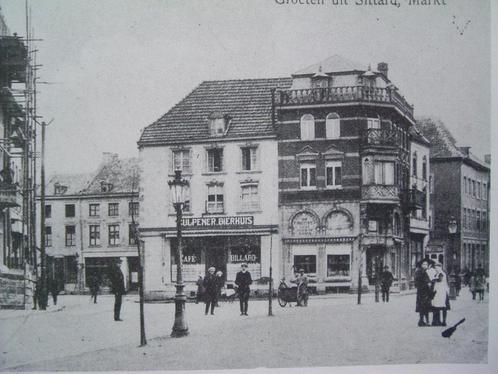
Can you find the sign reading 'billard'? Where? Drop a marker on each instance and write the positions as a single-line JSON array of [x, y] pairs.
[[218, 221]]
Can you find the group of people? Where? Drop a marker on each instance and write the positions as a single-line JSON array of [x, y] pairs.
[[432, 293], [209, 288], [476, 280], [53, 289]]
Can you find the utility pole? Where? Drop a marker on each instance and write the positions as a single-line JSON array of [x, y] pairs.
[[360, 267], [141, 258], [270, 290], [43, 294]]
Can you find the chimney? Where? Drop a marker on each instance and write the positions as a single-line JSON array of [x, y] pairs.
[[382, 67], [487, 159], [464, 150]]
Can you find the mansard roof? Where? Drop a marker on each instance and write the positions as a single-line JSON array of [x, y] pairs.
[[247, 102]]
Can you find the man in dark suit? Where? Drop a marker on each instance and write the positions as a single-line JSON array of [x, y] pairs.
[[243, 280], [386, 281], [210, 290], [117, 288]]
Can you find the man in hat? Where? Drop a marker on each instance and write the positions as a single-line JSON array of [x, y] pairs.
[[210, 290], [243, 280], [117, 288], [386, 281]]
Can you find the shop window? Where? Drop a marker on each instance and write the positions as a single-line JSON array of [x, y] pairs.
[[249, 198], [113, 231], [94, 232], [307, 127], [215, 199], [113, 209], [182, 161], [131, 235], [304, 224], [70, 236], [333, 171], [70, 210], [70, 269], [93, 210], [215, 160], [48, 236], [48, 211], [133, 208], [308, 175], [306, 262], [333, 126], [384, 173], [338, 265], [249, 158]]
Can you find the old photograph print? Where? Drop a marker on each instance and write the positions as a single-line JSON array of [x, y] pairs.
[[194, 185]]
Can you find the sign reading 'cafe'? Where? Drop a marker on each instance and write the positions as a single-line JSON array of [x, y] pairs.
[[217, 221]]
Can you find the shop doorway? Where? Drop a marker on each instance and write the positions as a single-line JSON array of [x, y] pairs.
[[216, 257], [375, 263]]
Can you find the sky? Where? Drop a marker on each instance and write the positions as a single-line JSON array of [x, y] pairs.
[[114, 67]]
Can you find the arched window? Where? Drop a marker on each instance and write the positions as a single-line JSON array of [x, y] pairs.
[[424, 167], [397, 225], [338, 223], [333, 126], [304, 224], [414, 164], [307, 127], [367, 171]]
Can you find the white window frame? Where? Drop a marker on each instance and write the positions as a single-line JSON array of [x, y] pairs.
[[216, 205], [253, 201], [333, 126], [182, 160], [253, 158], [95, 237], [307, 125], [307, 166], [332, 165], [114, 236], [222, 161], [384, 173], [373, 123]]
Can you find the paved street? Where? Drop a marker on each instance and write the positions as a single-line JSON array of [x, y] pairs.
[[78, 335]]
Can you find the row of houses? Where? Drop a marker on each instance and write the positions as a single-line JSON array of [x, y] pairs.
[[326, 171]]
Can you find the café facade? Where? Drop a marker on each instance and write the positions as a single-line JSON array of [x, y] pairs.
[[227, 150]]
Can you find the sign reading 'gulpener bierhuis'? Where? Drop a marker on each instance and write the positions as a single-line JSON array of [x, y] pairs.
[[218, 221]]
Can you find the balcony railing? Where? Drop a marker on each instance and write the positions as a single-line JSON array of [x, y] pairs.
[[9, 196], [311, 96], [384, 193], [381, 137], [413, 198]]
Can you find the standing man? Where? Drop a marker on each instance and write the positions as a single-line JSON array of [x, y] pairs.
[[117, 288], [386, 281], [94, 285], [302, 288], [243, 280], [210, 290], [53, 288]]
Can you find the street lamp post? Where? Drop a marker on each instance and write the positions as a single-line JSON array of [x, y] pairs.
[[178, 187], [452, 229]]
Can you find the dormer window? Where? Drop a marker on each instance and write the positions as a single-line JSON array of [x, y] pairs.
[[218, 124], [105, 186], [59, 189]]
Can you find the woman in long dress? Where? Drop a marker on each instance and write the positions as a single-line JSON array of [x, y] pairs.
[[441, 299], [423, 285]]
